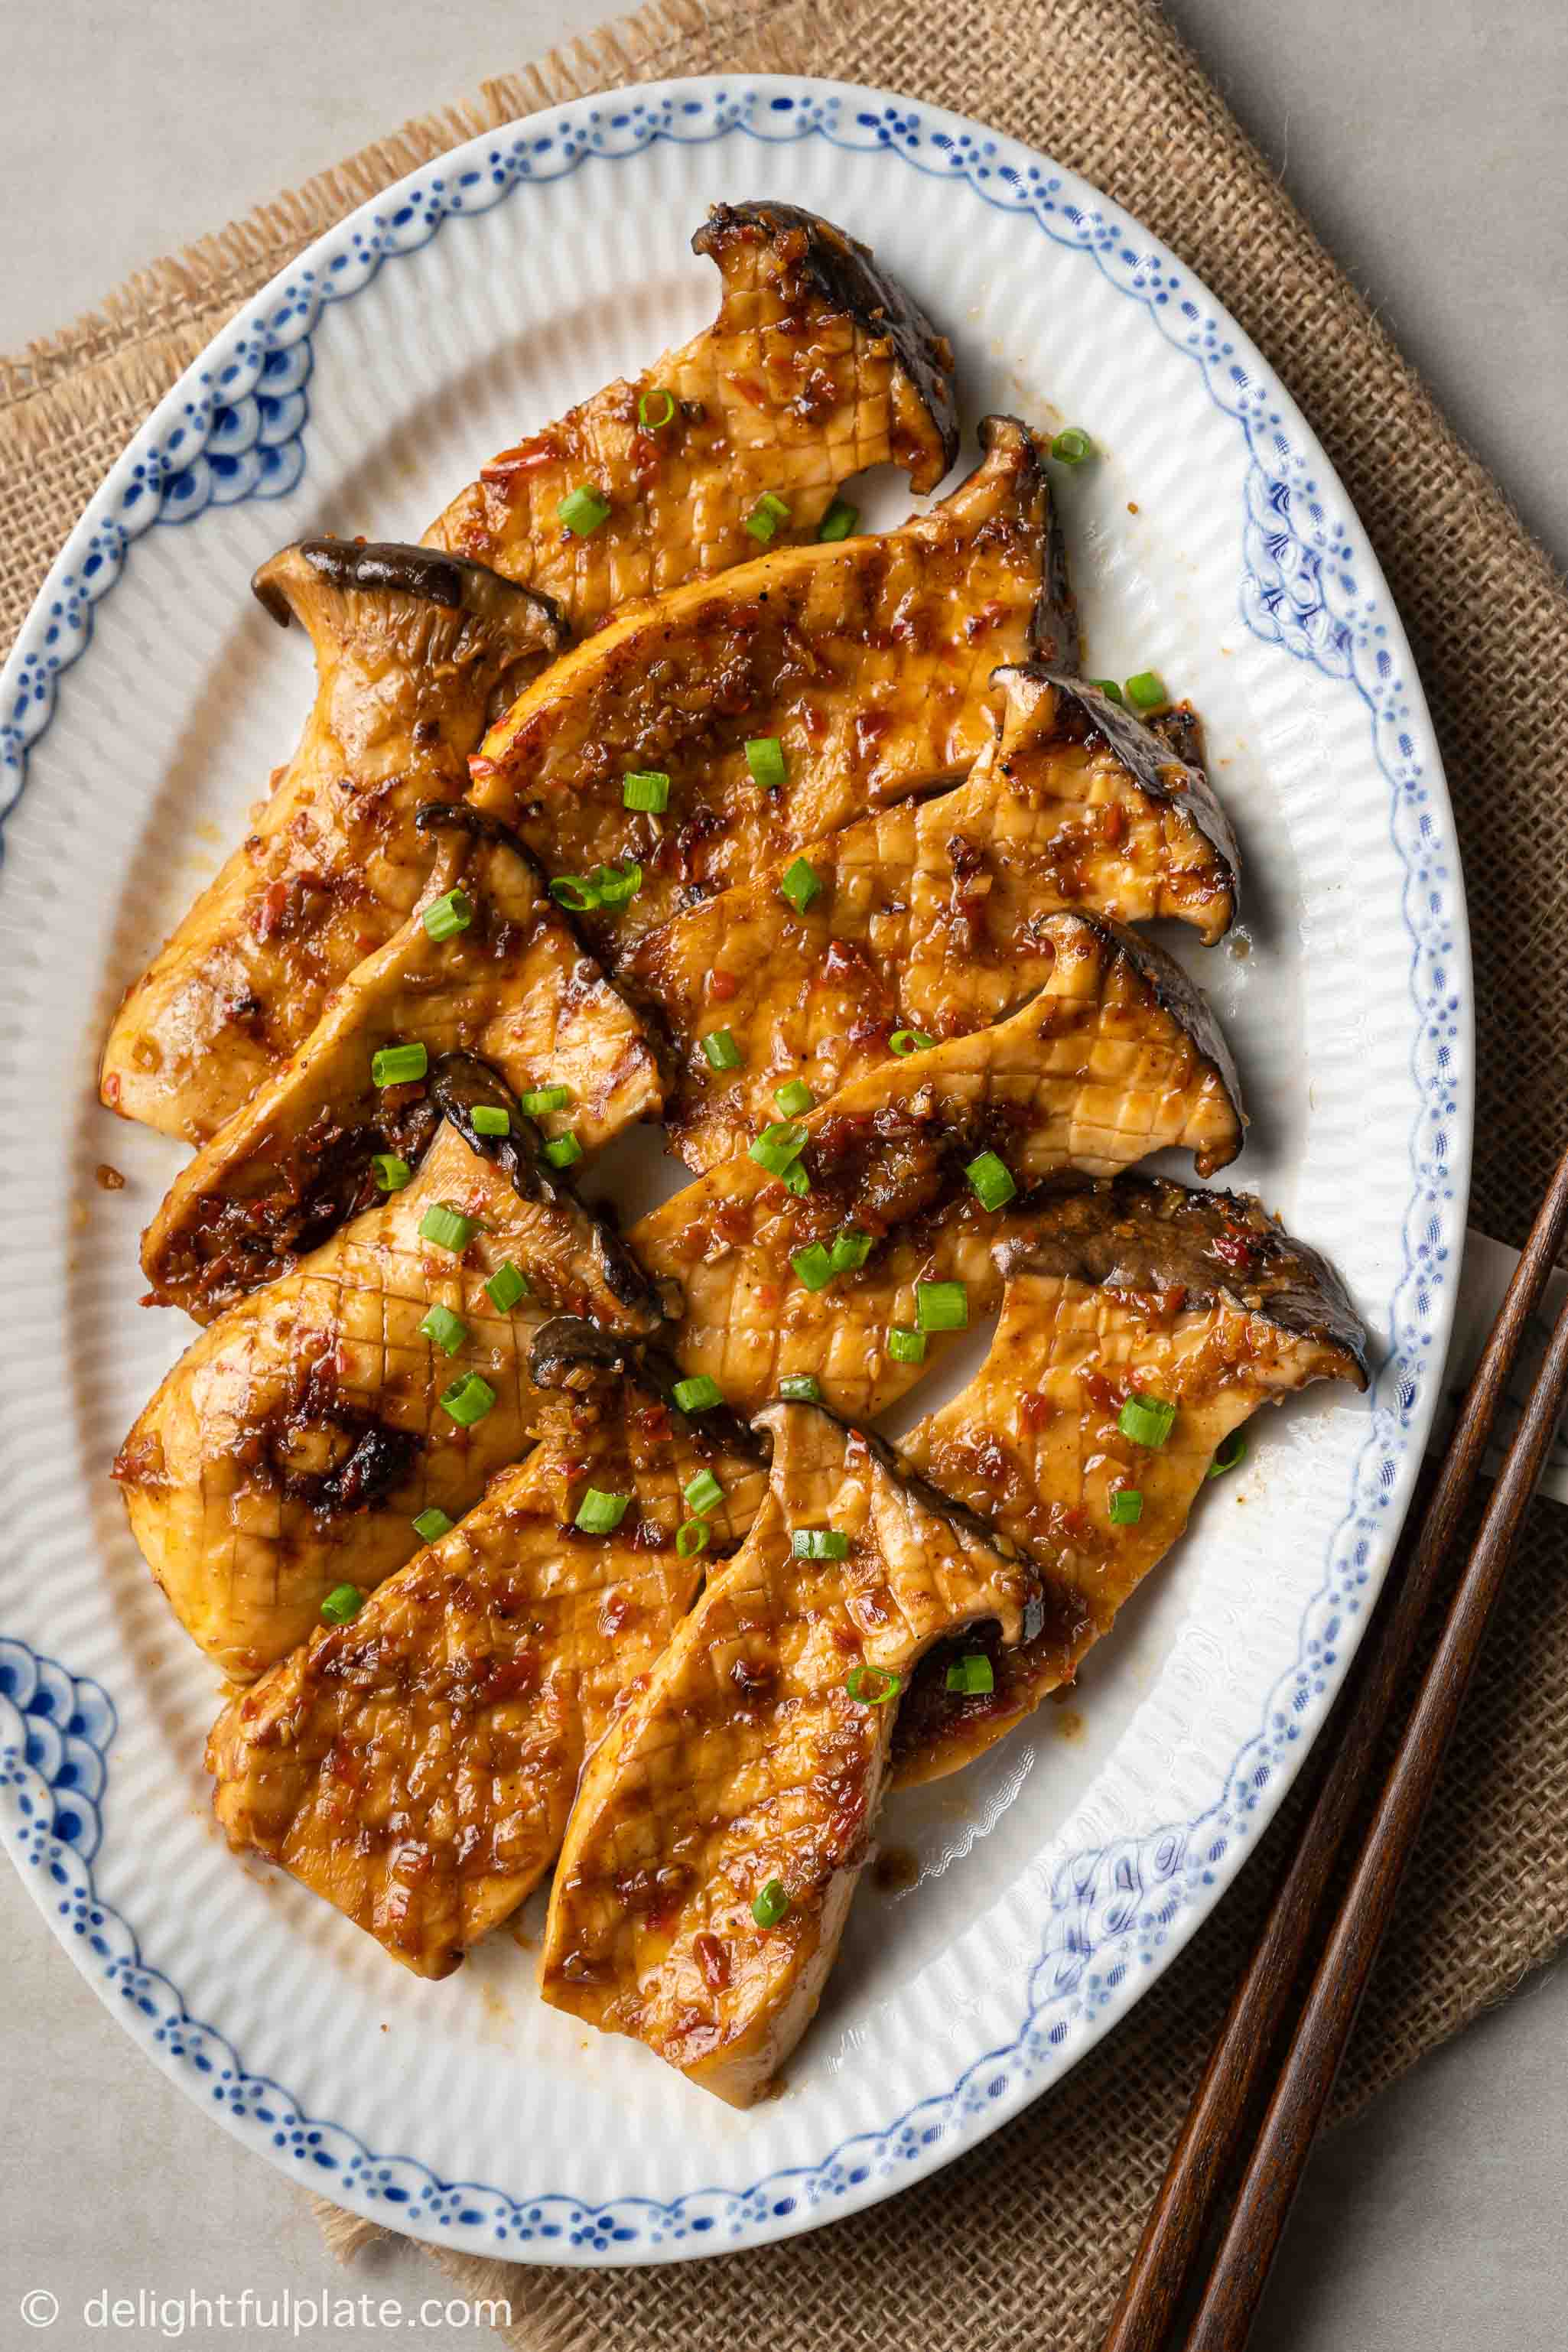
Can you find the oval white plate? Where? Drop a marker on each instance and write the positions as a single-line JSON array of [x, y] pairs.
[[148, 697]]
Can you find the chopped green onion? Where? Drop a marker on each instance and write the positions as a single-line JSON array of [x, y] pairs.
[[1126, 1507], [992, 1180], [801, 884], [570, 891], [801, 1388], [974, 1678], [391, 1173], [506, 1286], [395, 1065], [767, 517], [839, 521], [583, 509], [910, 1040], [766, 759], [814, 1266], [820, 1543], [941, 1306], [432, 1525], [1146, 1420], [780, 1142], [871, 1686], [647, 415], [447, 1330], [541, 1100], [447, 915], [850, 1249], [691, 1539], [599, 1513], [795, 1098], [906, 1347], [467, 1399], [563, 1150], [1229, 1455], [770, 1903], [447, 1227], [647, 789], [1147, 690], [343, 1602], [703, 1493], [697, 1394], [1071, 448], [795, 1180], [1107, 687], [616, 884], [489, 1118], [720, 1051]]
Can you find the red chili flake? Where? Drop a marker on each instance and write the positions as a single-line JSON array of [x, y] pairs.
[[990, 616], [111, 1088], [510, 465], [721, 986], [1237, 1250], [766, 1294], [749, 390], [1113, 823], [714, 1960], [480, 767], [267, 918], [1037, 1409]]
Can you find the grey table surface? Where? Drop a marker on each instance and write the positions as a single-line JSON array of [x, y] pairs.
[[1426, 144]]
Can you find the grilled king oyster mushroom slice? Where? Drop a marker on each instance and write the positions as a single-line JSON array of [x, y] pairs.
[[1128, 1289], [926, 917], [722, 1823], [515, 986], [417, 1766], [1115, 1058], [816, 365], [291, 1447], [785, 700]]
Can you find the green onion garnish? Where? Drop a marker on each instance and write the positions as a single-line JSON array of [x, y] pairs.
[[973, 1677], [489, 1118], [850, 1249], [992, 1180], [445, 917], [801, 1388], [910, 1040], [647, 789], [941, 1306], [506, 1286], [770, 1903], [839, 521], [343, 1602], [691, 1539], [432, 1525], [780, 1142], [795, 1098], [720, 1051], [599, 1513], [1126, 1507], [697, 1393], [703, 1493], [570, 891], [583, 509], [1146, 1420], [871, 1686], [1229, 1455], [906, 1347], [648, 413], [1109, 688], [766, 759], [542, 1101], [563, 1150], [795, 1180], [616, 884], [467, 1399], [801, 884], [446, 1330], [391, 1173], [1071, 448], [814, 1266], [820, 1543], [767, 517], [447, 1227], [395, 1065], [1147, 690]]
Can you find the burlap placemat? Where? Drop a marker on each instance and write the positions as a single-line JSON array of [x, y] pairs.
[[1025, 2241]]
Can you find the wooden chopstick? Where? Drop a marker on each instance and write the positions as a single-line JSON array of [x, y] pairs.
[[1185, 2206]]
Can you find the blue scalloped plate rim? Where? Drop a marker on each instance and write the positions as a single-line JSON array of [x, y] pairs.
[[233, 428]]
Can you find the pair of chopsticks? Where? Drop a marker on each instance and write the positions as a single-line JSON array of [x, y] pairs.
[[1190, 2199]]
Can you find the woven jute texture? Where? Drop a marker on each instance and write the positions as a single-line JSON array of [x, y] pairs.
[[1025, 2241]]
